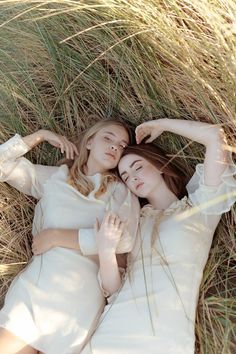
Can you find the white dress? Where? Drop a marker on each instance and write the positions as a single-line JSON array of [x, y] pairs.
[[55, 302], [154, 312]]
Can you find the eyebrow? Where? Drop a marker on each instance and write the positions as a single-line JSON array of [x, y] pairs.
[[132, 164], [107, 132]]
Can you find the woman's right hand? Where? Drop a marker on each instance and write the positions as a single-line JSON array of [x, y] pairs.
[[151, 129], [108, 234], [60, 142]]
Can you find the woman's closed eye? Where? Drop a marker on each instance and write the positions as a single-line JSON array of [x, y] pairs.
[[125, 179], [122, 147]]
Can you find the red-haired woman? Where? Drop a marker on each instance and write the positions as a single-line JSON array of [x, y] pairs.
[[154, 311]]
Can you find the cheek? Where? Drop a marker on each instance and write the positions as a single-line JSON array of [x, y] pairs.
[[151, 173], [131, 187], [119, 153]]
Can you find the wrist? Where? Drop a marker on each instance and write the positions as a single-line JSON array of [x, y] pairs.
[[165, 123], [107, 253], [41, 135], [55, 237]]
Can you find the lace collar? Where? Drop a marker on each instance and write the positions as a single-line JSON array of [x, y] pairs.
[[176, 206]]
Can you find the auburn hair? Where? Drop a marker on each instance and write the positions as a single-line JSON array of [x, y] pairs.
[[173, 176]]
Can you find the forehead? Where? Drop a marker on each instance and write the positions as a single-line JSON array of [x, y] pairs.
[[127, 160], [117, 131]]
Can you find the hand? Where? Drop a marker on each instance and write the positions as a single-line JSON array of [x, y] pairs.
[[152, 128], [61, 142], [43, 241], [109, 233]]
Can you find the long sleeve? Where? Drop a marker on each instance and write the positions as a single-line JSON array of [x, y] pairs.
[[20, 172], [126, 205], [212, 201]]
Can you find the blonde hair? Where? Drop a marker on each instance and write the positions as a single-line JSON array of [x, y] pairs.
[[77, 178]]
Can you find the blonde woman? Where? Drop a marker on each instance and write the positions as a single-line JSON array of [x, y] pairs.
[[53, 304], [154, 311]]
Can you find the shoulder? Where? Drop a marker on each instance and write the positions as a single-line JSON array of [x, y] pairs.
[[119, 188]]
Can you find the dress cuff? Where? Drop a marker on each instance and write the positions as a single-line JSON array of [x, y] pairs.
[[104, 291], [13, 148], [215, 200], [87, 242]]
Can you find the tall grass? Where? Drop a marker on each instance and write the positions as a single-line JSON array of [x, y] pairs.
[[62, 62]]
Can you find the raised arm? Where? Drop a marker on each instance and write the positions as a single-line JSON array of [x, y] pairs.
[[212, 136], [52, 138], [20, 172]]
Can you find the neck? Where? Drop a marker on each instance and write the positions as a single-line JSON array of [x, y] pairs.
[[162, 197], [91, 168]]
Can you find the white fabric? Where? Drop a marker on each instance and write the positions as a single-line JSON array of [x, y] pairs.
[[120, 202], [154, 312], [55, 302]]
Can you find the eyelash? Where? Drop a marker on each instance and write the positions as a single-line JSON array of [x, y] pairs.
[[126, 178], [120, 146]]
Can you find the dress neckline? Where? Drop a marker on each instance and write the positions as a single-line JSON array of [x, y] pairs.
[[177, 205]]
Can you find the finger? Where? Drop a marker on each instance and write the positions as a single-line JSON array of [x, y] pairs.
[[117, 222], [149, 140], [75, 149], [70, 148], [122, 226], [112, 218], [66, 147], [71, 151], [138, 131], [140, 135], [106, 217], [62, 148], [139, 127]]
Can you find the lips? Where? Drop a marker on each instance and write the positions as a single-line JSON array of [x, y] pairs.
[[110, 155], [139, 185]]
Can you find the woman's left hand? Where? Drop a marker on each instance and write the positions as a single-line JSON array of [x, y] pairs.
[[108, 234], [152, 128], [43, 241]]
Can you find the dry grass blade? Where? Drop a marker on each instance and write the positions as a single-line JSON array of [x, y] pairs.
[[64, 62]]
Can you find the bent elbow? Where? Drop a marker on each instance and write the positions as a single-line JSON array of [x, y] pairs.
[[218, 135], [219, 144]]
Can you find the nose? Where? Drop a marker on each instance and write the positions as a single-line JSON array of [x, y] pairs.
[[114, 147]]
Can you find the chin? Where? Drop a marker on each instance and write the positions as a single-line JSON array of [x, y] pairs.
[[108, 166]]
